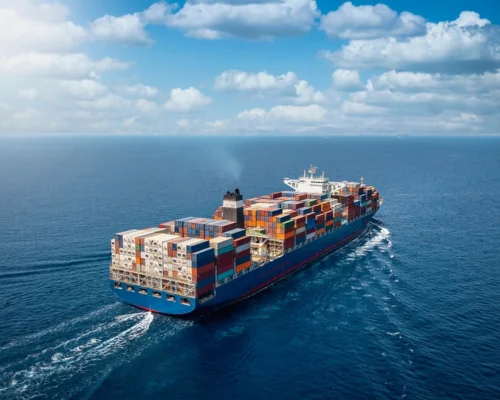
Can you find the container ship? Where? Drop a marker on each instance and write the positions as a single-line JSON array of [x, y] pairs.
[[193, 265]]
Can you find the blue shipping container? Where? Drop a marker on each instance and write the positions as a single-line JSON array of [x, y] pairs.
[[224, 275], [235, 233]]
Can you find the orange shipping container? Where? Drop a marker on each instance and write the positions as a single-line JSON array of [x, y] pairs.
[[195, 272], [241, 267]]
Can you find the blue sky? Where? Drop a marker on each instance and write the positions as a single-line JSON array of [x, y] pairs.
[[215, 67]]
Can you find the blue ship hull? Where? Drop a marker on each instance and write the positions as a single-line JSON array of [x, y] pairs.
[[247, 284]]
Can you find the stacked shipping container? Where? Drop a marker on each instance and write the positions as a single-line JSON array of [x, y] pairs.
[[202, 251]]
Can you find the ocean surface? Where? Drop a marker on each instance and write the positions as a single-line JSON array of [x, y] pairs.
[[409, 310]]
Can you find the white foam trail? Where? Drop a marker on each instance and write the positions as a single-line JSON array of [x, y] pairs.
[[78, 338], [67, 361], [382, 236], [54, 329]]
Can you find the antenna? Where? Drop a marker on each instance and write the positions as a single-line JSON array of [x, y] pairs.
[[312, 170], [362, 180]]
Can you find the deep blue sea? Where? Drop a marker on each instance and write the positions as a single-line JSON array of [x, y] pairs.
[[409, 310]]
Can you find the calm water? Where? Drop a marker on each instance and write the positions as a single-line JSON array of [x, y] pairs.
[[409, 310]]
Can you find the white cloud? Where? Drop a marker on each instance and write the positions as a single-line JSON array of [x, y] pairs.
[[349, 107], [470, 18], [129, 122], [139, 90], [127, 29], [464, 45], [285, 84], [108, 102], [346, 80], [427, 103], [186, 100], [27, 115], [183, 123], [287, 113], [28, 94], [307, 94], [67, 66], [145, 105], [254, 113], [419, 81], [258, 20], [20, 33], [218, 125], [247, 81], [47, 12], [363, 22], [83, 89]]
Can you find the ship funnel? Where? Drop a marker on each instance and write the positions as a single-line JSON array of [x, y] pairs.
[[232, 208]]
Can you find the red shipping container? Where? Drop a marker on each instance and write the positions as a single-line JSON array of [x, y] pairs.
[[244, 253], [224, 258], [205, 289], [241, 241], [225, 268]]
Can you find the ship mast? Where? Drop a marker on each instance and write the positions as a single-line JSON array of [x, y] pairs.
[[312, 171]]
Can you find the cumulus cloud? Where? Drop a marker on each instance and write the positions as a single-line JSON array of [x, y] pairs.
[[139, 90], [420, 81], [286, 84], [307, 94], [287, 113], [363, 22], [218, 125], [247, 81], [186, 100], [346, 80], [350, 107], [255, 20], [83, 89], [108, 102], [468, 44], [68, 66], [30, 31], [146, 105], [127, 29]]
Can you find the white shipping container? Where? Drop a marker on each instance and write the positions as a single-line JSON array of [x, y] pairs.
[[300, 230], [131, 238], [158, 239], [220, 242], [243, 247], [126, 265], [311, 236]]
